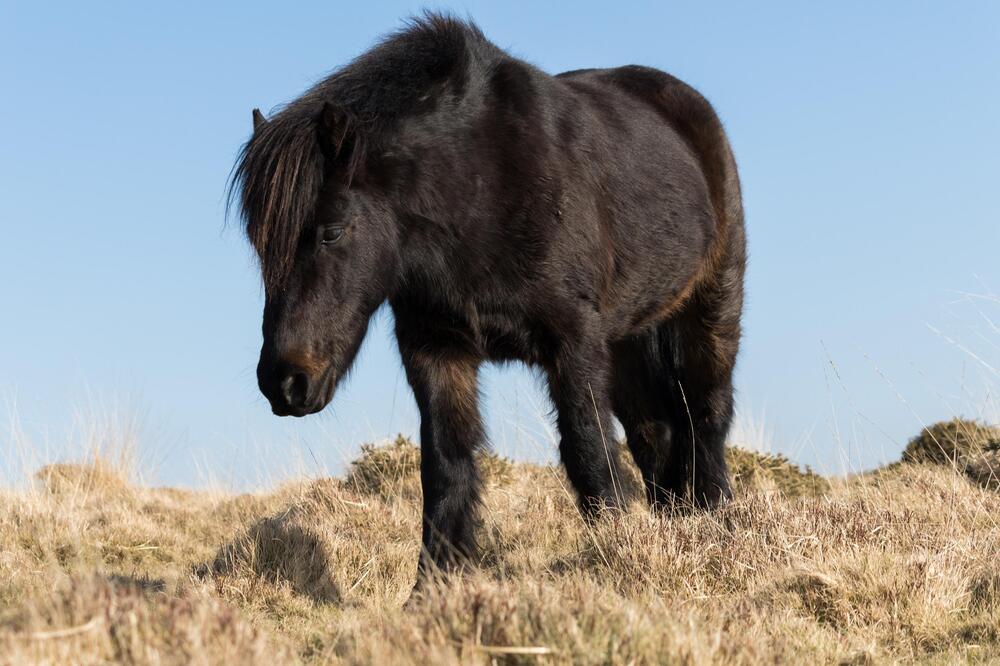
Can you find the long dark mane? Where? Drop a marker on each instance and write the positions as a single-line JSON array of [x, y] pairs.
[[280, 171]]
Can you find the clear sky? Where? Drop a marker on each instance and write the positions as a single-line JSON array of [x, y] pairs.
[[867, 134]]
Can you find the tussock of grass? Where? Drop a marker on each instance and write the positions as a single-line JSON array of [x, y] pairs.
[[984, 468], [775, 473], [948, 442], [966, 445], [63, 478], [393, 470], [317, 571], [388, 471]]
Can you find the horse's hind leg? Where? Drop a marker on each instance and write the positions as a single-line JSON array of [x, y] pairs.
[[639, 396], [701, 343], [674, 395], [702, 350]]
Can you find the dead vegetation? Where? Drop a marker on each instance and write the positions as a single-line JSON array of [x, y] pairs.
[[775, 473], [969, 447], [896, 567], [952, 442]]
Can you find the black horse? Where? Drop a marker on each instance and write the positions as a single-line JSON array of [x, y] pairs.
[[589, 224]]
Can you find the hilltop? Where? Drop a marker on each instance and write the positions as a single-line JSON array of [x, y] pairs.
[[898, 564]]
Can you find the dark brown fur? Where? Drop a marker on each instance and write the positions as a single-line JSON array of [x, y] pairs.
[[589, 224]]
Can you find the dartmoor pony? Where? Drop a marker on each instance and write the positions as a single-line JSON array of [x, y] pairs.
[[588, 224]]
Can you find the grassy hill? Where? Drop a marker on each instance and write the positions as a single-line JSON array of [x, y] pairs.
[[900, 564]]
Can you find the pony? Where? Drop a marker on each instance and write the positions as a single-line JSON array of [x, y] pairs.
[[588, 224]]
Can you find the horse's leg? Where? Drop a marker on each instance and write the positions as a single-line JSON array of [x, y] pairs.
[[673, 393], [444, 381], [700, 345], [639, 396], [578, 384]]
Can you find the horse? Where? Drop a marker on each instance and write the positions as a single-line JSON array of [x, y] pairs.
[[588, 224]]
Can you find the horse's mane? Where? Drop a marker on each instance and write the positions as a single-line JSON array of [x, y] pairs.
[[279, 172]]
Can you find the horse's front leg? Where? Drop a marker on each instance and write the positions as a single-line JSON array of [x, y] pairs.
[[444, 382]]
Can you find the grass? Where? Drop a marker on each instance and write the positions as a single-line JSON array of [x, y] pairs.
[[968, 446], [895, 566]]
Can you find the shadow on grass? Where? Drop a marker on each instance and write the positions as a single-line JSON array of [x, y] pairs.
[[279, 551], [141, 584]]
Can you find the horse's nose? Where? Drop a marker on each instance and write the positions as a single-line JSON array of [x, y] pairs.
[[286, 386], [295, 388]]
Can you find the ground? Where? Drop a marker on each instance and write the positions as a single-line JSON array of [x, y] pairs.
[[896, 565]]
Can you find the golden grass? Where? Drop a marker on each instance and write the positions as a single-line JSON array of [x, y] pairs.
[[968, 446], [896, 567]]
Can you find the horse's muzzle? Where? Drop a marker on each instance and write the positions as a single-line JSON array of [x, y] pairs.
[[292, 391]]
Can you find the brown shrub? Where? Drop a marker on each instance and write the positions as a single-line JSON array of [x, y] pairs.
[[762, 472], [952, 442], [393, 470], [984, 468]]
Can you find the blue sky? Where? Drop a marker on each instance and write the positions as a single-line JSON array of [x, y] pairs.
[[867, 134]]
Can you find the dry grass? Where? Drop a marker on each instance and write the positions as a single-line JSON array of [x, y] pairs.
[[897, 567], [968, 446]]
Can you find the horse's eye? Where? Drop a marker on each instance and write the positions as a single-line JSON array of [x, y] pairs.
[[331, 235]]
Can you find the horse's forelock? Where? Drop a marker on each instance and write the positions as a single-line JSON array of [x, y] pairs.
[[277, 180], [280, 171]]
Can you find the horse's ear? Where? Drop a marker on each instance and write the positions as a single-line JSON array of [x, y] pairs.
[[258, 120], [335, 127]]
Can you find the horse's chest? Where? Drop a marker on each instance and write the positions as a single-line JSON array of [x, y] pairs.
[[507, 335]]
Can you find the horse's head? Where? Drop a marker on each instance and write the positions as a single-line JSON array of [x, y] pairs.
[[328, 252]]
